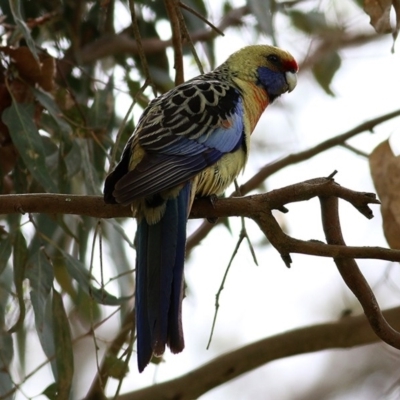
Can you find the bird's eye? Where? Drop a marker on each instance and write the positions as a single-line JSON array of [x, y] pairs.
[[272, 58]]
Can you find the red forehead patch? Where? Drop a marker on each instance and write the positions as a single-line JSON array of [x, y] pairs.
[[290, 64]]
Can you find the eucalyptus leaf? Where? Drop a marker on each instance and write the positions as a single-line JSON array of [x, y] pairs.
[[20, 256], [15, 6], [120, 230], [40, 273], [325, 69], [73, 160], [77, 270], [26, 138], [92, 181], [48, 102], [123, 264], [42, 308], [102, 108], [264, 11], [312, 22], [5, 251], [51, 391], [63, 345], [6, 356]]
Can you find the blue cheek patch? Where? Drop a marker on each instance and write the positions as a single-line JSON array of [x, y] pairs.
[[271, 81]]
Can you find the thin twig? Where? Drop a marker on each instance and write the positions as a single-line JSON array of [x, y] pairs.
[[173, 11], [199, 16], [123, 123], [354, 150], [103, 374], [188, 40], [139, 43], [243, 235]]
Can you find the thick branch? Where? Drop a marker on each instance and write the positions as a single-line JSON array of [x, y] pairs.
[[256, 207], [123, 43], [345, 333]]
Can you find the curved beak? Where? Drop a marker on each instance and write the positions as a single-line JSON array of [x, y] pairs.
[[291, 79]]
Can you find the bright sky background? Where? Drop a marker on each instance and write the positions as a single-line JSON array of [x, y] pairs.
[[261, 301]]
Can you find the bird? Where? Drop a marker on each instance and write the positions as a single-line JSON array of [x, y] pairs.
[[189, 142]]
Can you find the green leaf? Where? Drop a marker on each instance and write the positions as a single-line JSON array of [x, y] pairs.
[[46, 226], [20, 256], [15, 6], [42, 308], [192, 21], [101, 118], [77, 270], [63, 345], [6, 356], [40, 273], [102, 108], [19, 176], [121, 262], [73, 160], [51, 391], [48, 102], [263, 11], [92, 181], [21, 336], [5, 251], [88, 309], [26, 138], [313, 22], [325, 69], [120, 231], [115, 367]]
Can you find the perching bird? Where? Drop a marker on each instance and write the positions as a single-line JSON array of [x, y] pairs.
[[191, 141]]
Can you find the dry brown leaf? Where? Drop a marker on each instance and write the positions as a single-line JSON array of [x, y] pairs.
[[47, 72], [385, 171], [379, 12], [30, 70], [396, 6]]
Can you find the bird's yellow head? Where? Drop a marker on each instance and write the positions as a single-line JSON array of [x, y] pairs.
[[270, 67]]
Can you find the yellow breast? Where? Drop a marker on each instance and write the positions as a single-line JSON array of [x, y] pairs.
[[215, 179]]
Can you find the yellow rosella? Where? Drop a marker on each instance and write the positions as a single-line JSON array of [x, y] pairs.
[[189, 142]]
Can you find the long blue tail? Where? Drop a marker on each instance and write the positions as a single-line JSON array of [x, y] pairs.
[[159, 280]]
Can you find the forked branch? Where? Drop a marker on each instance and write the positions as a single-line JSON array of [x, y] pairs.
[[352, 275]]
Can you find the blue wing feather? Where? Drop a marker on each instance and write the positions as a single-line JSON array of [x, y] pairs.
[[175, 159]]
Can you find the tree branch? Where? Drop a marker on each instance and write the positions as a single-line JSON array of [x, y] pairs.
[[173, 10], [345, 333], [352, 275], [269, 169], [257, 207], [123, 43]]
